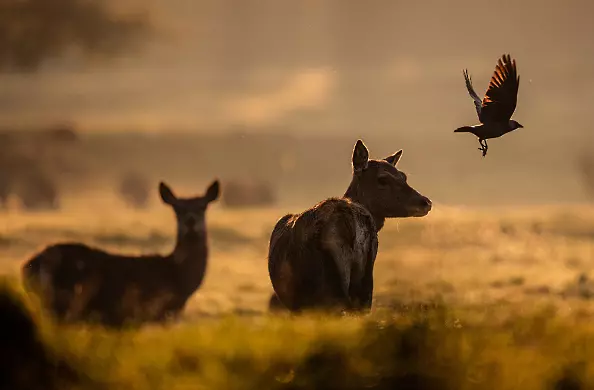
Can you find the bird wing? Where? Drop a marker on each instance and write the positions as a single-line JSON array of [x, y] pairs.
[[472, 93], [501, 97]]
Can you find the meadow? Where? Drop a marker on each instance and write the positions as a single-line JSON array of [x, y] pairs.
[[465, 298]]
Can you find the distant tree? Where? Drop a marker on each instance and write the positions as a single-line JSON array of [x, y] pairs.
[[585, 164], [135, 189], [245, 193], [32, 31]]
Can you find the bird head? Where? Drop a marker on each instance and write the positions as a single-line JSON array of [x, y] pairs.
[[515, 125]]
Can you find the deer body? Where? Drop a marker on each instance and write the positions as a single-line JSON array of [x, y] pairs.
[[324, 257], [81, 283]]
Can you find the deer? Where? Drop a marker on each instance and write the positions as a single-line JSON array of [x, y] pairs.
[[323, 258], [80, 283]]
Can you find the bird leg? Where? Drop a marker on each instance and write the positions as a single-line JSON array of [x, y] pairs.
[[483, 147]]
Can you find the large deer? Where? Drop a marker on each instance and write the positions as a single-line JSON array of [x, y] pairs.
[[80, 283], [323, 258]]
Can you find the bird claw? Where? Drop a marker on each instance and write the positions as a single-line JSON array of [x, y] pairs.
[[483, 149]]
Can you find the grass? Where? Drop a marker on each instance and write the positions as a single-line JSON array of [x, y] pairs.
[[464, 299], [420, 348]]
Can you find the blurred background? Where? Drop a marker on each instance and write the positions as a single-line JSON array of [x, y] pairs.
[[103, 98]]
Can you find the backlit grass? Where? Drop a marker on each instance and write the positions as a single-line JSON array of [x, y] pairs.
[[464, 299]]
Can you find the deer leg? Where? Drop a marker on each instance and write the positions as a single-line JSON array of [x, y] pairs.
[[361, 294], [367, 291], [275, 304], [344, 271], [337, 266], [367, 287], [336, 295], [364, 293], [344, 286]]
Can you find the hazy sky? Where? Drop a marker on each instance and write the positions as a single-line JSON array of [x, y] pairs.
[[337, 65], [389, 72]]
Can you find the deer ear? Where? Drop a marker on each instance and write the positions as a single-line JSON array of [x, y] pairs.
[[167, 196], [393, 159], [360, 157], [212, 192]]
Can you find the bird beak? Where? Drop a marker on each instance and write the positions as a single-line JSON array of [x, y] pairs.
[[521, 127]]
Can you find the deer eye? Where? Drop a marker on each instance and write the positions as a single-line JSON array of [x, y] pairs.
[[383, 181]]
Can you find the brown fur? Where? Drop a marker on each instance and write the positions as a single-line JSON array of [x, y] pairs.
[[323, 258], [79, 283]]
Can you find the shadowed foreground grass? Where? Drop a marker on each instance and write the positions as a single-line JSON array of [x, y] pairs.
[[515, 309], [425, 347]]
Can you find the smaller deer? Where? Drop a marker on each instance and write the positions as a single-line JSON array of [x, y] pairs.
[[80, 283], [323, 258]]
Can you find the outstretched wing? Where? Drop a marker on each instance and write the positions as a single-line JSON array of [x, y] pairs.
[[472, 93], [501, 97]]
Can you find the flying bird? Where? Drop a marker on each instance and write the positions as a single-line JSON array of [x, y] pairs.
[[497, 107]]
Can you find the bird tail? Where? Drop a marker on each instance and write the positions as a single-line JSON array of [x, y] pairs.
[[464, 129]]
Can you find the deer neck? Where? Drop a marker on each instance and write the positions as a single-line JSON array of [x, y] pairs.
[[190, 253], [355, 194]]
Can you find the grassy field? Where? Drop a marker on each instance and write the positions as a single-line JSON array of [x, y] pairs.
[[464, 299]]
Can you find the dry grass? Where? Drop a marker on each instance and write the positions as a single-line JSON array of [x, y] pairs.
[[515, 283], [469, 257]]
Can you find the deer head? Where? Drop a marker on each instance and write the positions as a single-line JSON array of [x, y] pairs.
[[382, 188], [190, 212]]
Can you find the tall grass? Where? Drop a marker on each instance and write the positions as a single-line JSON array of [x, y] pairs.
[[426, 346]]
